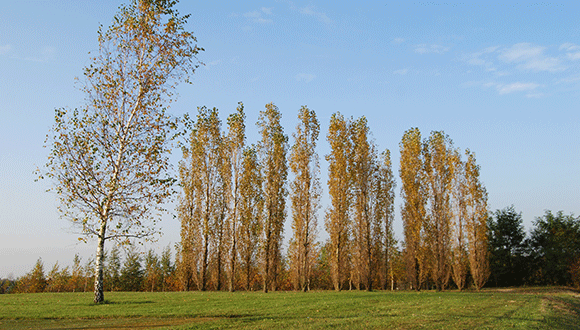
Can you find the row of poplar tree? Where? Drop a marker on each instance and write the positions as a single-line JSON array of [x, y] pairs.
[[233, 206]]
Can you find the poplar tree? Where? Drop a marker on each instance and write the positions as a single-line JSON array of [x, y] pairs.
[[201, 206], [236, 141], [476, 222], [362, 173], [273, 149], [251, 206], [109, 159], [384, 214], [439, 165], [413, 212], [337, 220], [305, 197], [459, 246]]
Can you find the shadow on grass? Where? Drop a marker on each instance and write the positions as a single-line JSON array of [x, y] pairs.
[[136, 302], [565, 312]]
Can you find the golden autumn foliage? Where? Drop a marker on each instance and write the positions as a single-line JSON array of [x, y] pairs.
[[273, 148], [305, 194]]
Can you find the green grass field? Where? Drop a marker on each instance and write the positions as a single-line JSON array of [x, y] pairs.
[[536, 308]]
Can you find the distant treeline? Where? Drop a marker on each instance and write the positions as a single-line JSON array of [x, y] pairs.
[[548, 255]]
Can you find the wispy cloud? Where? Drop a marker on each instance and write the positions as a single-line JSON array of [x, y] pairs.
[[401, 72], [5, 49], [398, 40], [573, 51], [516, 87], [481, 58], [430, 49], [257, 16], [306, 77], [311, 11], [530, 57]]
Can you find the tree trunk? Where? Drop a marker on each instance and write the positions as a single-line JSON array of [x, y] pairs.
[[100, 264]]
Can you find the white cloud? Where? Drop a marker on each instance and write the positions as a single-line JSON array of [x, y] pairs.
[[256, 16], [516, 87], [573, 56], [252, 14], [5, 49], [569, 46], [306, 77], [401, 72], [573, 51], [320, 16], [482, 58], [530, 57], [426, 49], [398, 40]]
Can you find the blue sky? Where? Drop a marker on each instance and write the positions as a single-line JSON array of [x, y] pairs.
[[502, 79]]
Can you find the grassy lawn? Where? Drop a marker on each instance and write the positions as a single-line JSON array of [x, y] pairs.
[[536, 308]]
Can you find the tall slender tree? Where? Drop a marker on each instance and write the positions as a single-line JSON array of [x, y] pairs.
[[384, 214], [476, 222], [413, 192], [459, 246], [109, 159], [337, 220], [439, 165], [201, 208], [305, 197], [251, 213], [273, 149], [236, 140], [362, 172]]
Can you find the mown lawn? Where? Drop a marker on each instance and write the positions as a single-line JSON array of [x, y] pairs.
[[536, 308]]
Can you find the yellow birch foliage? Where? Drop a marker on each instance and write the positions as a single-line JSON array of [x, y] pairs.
[[109, 159]]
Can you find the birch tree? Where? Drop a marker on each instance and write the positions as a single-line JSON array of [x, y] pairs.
[[109, 159], [337, 220], [305, 197], [273, 149]]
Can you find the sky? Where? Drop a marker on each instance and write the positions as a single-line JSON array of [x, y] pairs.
[[501, 79]]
